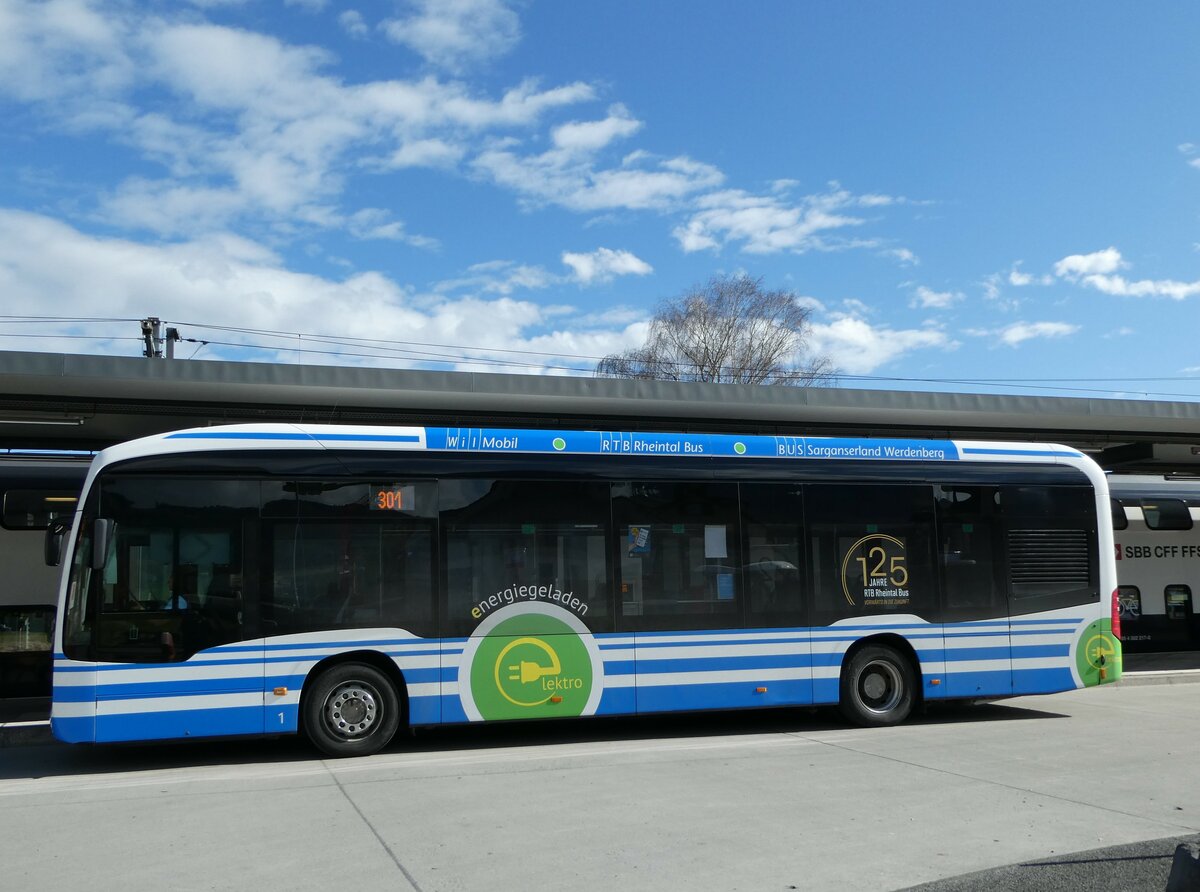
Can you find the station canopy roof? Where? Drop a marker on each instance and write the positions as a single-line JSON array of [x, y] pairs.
[[67, 401]]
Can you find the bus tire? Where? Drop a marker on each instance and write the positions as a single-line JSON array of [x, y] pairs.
[[352, 709], [878, 687]]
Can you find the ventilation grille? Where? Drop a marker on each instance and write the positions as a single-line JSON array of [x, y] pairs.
[[1048, 560]]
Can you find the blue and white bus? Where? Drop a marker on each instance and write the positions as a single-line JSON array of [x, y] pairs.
[[343, 582]]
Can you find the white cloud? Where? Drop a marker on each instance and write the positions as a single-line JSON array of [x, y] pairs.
[[1097, 263], [1098, 271], [258, 129], [353, 23], [425, 153], [230, 281], [603, 264], [376, 223], [858, 348], [903, 256], [61, 50], [928, 299], [574, 182], [454, 34], [1019, 332], [1021, 279], [1119, 286], [769, 224], [590, 136], [499, 277]]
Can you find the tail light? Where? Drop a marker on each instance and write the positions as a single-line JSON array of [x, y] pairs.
[[1116, 613]]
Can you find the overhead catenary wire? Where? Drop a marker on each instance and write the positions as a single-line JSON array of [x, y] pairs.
[[411, 351]]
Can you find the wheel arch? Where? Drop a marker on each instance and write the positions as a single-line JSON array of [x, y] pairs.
[[897, 643], [372, 658]]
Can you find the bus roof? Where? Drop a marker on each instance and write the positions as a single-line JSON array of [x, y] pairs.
[[276, 437]]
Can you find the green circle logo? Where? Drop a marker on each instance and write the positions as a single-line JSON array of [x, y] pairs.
[[1098, 654], [530, 660], [739, 448], [559, 443]]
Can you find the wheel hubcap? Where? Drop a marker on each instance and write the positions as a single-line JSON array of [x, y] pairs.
[[880, 686], [352, 710]]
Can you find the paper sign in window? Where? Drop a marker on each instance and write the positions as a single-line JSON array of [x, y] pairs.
[[714, 541]]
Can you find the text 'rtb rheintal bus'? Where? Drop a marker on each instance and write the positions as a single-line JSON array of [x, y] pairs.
[[343, 581]]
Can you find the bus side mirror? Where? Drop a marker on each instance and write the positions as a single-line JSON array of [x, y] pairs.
[[54, 540], [102, 530]]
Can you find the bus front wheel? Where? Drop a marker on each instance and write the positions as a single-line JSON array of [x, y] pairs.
[[878, 687], [352, 710]]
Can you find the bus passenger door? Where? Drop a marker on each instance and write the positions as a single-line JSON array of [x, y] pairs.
[[974, 603], [170, 629]]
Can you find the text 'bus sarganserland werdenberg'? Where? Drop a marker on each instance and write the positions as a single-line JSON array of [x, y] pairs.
[[346, 581]]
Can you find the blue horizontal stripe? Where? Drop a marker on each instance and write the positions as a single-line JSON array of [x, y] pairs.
[[617, 701], [976, 683], [181, 688], [247, 435], [180, 723], [277, 435], [1038, 452], [74, 730], [725, 695], [620, 667], [1042, 681], [714, 642], [425, 711], [720, 664]]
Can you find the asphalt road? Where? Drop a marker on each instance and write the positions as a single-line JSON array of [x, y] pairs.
[[740, 801]]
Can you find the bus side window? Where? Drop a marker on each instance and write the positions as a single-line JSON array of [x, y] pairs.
[[968, 546], [772, 521], [1050, 534], [678, 554], [521, 541], [872, 550]]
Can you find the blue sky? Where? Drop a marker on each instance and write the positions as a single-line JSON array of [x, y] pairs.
[[960, 192]]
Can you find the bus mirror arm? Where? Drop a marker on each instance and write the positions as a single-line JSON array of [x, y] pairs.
[[53, 542], [102, 530]]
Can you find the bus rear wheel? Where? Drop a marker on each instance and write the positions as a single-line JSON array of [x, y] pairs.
[[878, 687], [352, 709]]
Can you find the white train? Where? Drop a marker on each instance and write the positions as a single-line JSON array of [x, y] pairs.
[[1156, 530], [34, 490]]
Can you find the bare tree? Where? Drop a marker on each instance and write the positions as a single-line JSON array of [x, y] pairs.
[[729, 331]]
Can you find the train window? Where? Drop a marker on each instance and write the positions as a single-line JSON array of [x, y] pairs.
[[1119, 520], [33, 509], [1129, 602], [1179, 602], [1166, 514]]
